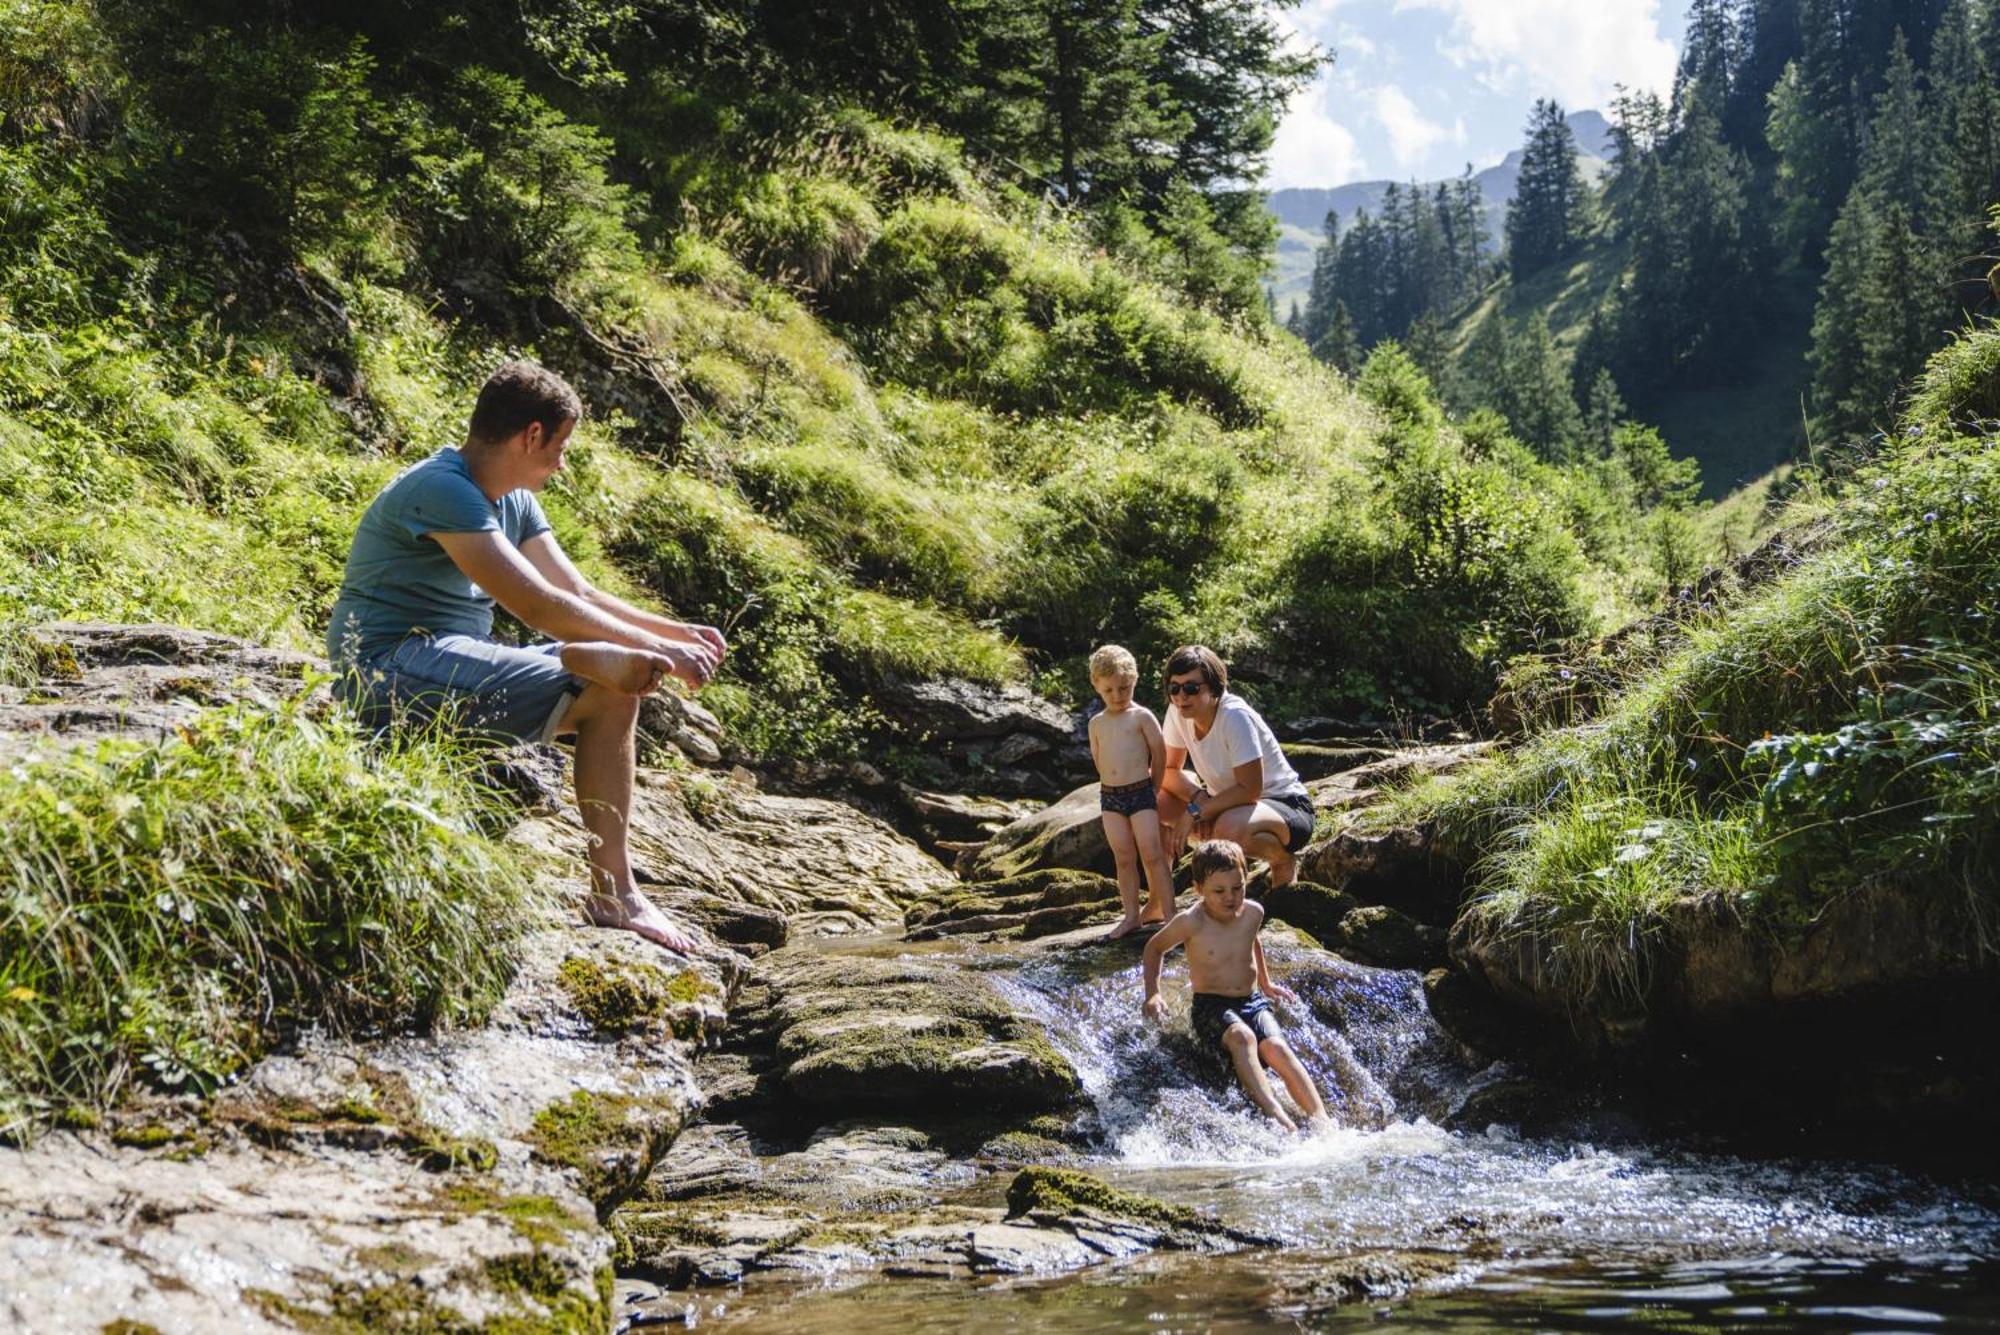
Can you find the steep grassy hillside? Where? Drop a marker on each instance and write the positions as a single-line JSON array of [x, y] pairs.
[[1827, 734], [1739, 430], [855, 398]]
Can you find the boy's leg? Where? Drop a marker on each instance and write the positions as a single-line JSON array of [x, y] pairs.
[[1278, 1055], [1159, 871], [1118, 832], [1241, 1045], [1261, 832]]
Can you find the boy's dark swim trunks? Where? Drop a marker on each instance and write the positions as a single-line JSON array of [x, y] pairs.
[[1126, 798], [1213, 1014]]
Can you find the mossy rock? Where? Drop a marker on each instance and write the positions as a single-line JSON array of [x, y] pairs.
[[1378, 934], [615, 996], [1065, 834], [611, 1141], [1309, 906], [1065, 1191]]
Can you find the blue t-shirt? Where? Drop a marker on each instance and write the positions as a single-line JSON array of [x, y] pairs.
[[399, 579]]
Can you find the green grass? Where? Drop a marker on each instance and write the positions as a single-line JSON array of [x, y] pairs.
[[173, 906], [1836, 729]]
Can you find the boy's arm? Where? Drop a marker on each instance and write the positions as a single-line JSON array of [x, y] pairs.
[[1156, 747], [1175, 932], [1264, 983], [1091, 733]]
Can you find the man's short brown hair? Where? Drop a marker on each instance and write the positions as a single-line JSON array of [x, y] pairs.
[[1214, 855], [517, 393], [1199, 658]]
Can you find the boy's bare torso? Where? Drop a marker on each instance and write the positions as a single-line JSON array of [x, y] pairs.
[[1218, 953], [1123, 755]]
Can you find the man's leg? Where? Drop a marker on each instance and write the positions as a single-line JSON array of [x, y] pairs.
[[1241, 1045], [1278, 1055], [603, 720], [1261, 833]]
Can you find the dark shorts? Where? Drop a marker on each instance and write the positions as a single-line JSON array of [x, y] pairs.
[[1213, 1014], [1126, 798], [483, 686], [1297, 809]]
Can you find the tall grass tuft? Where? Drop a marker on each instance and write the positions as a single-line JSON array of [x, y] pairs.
[[173, 907]]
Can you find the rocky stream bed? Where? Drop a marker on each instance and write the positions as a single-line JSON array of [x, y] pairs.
[[887, 1090]]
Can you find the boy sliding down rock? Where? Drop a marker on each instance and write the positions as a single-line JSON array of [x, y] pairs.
[[1226, 966]]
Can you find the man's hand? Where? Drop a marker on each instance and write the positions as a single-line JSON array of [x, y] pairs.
[[708, 637], [692, 665], [1155, 1008]]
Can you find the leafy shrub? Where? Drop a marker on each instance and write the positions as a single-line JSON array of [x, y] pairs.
[[173, 905]]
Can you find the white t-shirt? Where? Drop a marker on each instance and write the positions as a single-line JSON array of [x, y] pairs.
[[1239, 734]]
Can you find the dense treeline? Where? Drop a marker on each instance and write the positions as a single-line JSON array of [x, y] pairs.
[[1857, 140], [1423, 256]]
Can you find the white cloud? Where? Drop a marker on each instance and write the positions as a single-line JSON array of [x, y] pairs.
[[1312, 148], [1572, 50], [1411, 133]]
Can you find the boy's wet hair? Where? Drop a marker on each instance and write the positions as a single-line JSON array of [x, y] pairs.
[[517, 393], [1214, 855], [1199, 658], [1113, 662]]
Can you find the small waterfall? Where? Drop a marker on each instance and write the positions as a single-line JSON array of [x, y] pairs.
[[1364, 1035]]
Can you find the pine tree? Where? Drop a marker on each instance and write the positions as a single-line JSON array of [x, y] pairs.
[[1604, 411], [1767, 39], [1547, 213], [1903, 319], [1836, 331], [1708, 57], [1295, 323], [1540, 404], [1323, 290], [1337, 346]]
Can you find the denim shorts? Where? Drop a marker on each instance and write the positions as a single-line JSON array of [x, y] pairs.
[[483, 686]]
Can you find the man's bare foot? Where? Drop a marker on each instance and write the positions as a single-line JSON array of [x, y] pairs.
[[630, 671], [1284, 870], [1154, 922], [1287, 1123], [1124, 929], [635, 913]]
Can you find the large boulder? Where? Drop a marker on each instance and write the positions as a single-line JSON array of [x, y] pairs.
[[1066, 833], [853, 1032]]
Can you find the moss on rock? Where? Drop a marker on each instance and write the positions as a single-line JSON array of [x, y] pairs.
[[1064, 1191], [618, 995], [610, 1140]]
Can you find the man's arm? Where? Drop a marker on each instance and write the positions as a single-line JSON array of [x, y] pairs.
[[547, 557], [498, 567]]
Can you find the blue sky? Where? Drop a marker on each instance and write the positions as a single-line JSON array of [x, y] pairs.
[[1422, 87]]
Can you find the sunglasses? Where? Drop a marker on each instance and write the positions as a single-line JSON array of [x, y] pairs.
[[1186, 687]]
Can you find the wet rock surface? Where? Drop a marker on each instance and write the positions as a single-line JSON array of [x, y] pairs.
[[849, 1032]]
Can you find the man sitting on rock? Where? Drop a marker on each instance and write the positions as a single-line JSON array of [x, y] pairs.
[[412, 632]]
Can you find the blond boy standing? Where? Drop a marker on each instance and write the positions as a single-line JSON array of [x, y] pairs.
[[1131, 758]]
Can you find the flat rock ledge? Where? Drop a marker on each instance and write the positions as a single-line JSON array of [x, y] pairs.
[[445, 1183], [1054, 1220]]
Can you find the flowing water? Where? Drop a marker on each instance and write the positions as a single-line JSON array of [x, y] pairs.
[[1592, 1228]]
